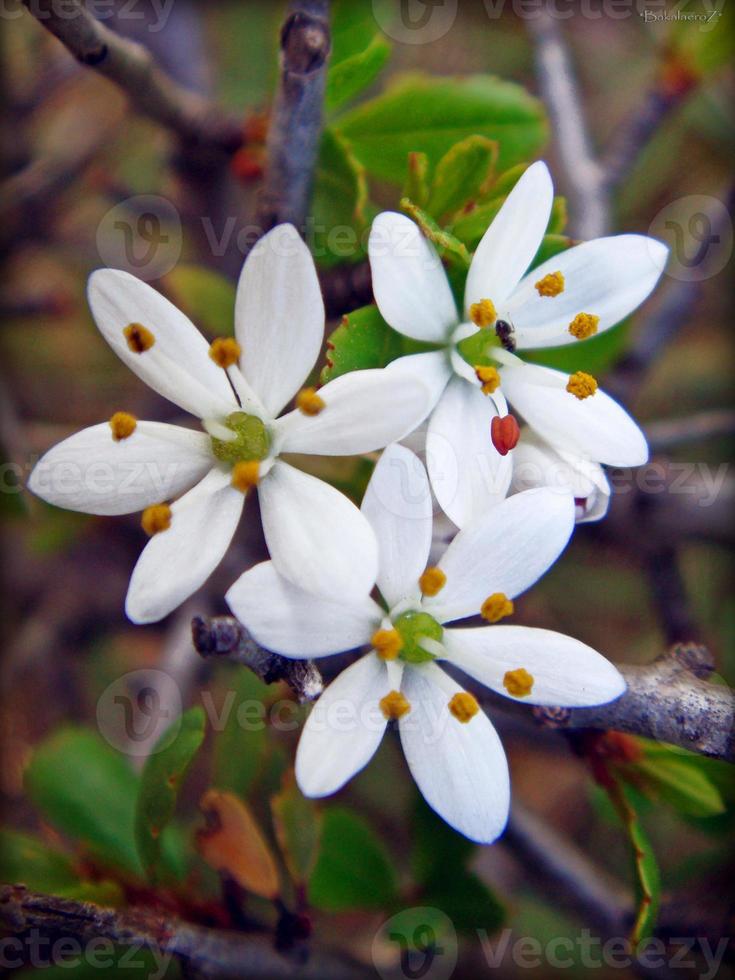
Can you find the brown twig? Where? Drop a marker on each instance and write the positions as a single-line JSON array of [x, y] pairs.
[[225, 637], [296, 121], [202, 952], [669, 433], [668, 700], [130, 66]]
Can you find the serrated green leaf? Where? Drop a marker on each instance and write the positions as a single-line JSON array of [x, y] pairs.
[[206, 296], [298, 826], [340, 209], [678, 777], [364, 340], [450, 248], [160, 782], [87, 790], [416, 187], [645, 867], [353, 870], [420, 113], [241, 739], [27, 860], [462, 175], [350, 76]]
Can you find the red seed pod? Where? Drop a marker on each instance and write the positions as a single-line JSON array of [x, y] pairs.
[[505, 433]]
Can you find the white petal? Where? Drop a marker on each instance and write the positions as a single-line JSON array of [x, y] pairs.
[[178, 365], [279, 316], [565, 672], [608, 277], [467, 473], [176, 562], [409, 282], [505, 550], [398, 505], [460, 769], [364, 411], [595, 427], [344, 728], [316, 536], [298, 624], [537, 464], [92, 473], [433, 367], [508, 246]]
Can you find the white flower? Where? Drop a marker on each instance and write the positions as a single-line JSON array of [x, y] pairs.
[[451, 747], [537, 464], [582, 291], [316, 536]]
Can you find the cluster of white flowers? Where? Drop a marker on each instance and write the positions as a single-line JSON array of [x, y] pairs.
[[342, 577]]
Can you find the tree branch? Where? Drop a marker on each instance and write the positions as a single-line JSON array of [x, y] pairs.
[[668, 700], [296, 121], [225, 637], [203, 952], [130, 66]]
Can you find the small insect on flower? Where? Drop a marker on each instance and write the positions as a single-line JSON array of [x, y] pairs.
[[452, 749]]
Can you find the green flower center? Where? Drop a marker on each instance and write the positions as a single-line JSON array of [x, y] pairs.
[[413, 627], [251, 441], [477, 348]]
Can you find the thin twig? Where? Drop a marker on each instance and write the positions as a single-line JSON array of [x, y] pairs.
[[585, 178], [130, 65], [669, 701], [202, 952], [669, 433], [226, 638], [296, 121]]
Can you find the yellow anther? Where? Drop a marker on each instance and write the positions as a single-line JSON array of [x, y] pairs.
[[309, 402], [496, 607], [225, 351], [156, 519], [581, 385], [489, 377], [387, 644], [483, 314], [139, 338], [394, 705], [245, 475], [584, 325], [464, 706], [518, 682], [123, 425], [432, 581], [551, 285]]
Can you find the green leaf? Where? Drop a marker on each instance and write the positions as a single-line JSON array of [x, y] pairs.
[[450, 248], [645, 867], [416, 187], [240, 746], [28, 860], [160, 783], [462, 175], [87, 790], [440, 856], [470, 227], [353, 870], [350, 76], [339, 203], [429, 115], [676, 776], [206, 296], [298, 826], [364, 340]]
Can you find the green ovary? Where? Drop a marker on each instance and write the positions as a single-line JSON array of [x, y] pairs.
[[477, 348], [412, 627], [251, 441]]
